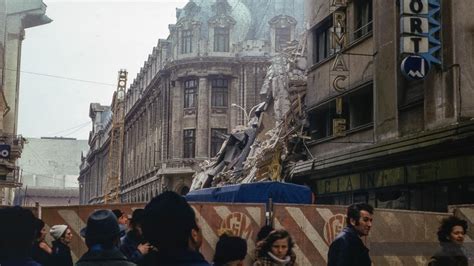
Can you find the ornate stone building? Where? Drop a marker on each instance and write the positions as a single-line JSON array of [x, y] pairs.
[[383, 130], [15, 17], [194, 87], [93, 169]]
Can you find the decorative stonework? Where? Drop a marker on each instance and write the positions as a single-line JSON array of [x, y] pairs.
[[190, 111], [282, 21]]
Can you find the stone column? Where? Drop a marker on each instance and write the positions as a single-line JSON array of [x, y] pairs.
[[202, 130], [386, 70]]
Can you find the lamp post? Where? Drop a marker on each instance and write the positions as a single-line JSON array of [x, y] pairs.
[[247, 115]]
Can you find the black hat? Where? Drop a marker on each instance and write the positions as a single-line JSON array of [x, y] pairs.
[[230, 248], [102, 224], [118, 213]]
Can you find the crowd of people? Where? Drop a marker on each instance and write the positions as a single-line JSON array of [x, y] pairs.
[[167, 232]]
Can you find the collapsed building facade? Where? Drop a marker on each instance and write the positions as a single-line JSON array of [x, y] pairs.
[[197, 85], [384, 131]]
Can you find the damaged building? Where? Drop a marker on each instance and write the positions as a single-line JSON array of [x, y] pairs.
[[196, 86], [390, 105]]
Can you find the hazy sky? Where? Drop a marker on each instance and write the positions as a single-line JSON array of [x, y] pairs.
[[87, 40]]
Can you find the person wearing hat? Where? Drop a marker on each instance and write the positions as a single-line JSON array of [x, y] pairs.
[[61, 254], [102, 235], [230, 251], [134, 246]]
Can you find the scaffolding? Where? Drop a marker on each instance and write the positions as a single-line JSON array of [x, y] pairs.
[[114, 163]]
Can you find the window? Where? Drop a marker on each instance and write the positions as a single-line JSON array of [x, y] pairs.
[[363, 18], [221, 39], [217, 139], [357, 110], [282, 37], [361, 106], [219, 92], [189, 141], [322, 40], [321, 121], [190, 93], [186, 42]]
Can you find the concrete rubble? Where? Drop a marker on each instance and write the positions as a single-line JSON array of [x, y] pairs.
[[274, 136]]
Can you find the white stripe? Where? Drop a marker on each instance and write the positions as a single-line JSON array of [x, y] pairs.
[[223, 212], [325, 213], [313, 235], [207, 232], [255, 213], [394, 260], [301, 259]]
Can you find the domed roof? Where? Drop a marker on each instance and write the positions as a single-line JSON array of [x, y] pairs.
[[238, 11]]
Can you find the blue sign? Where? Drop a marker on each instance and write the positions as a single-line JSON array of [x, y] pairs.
[[415, 67]]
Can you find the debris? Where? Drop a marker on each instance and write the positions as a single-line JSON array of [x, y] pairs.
[[260, 151]]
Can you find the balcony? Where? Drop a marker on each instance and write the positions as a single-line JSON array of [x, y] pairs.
[[9, 179]]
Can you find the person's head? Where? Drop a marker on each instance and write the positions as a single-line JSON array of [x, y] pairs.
[[102, 229], [230, 251], [264, 231], [40, 230], [452, 230], [62, 233], [170, 223], [17, 232], [122, 217], [359, 217], [137, 221], [278, 242]]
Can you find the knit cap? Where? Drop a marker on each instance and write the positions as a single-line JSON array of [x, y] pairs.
[[57, 231]]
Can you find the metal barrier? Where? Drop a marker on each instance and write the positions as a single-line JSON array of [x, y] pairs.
[[398, 237]]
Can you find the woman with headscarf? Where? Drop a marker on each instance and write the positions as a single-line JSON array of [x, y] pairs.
[[275, 250], [41, 250], [451, 238]]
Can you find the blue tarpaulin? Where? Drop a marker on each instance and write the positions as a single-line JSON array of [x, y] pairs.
[[258, 192]]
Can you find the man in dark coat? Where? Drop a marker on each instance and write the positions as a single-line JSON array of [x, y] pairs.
[[102, 235], [134, 246], [348, 249], [170, 225]]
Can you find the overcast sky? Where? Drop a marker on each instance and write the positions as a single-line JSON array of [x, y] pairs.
[[87, 40]]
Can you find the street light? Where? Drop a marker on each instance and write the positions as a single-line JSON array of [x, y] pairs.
[[247, 115]]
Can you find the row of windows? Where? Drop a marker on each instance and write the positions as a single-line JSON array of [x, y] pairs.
[[222, 39], [189, 141], [357, 110], [219, 93], [322, 34]]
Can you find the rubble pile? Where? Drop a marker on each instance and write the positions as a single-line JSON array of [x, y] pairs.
[[272, 138]]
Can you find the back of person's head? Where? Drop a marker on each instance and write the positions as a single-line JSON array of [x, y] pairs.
[[118, 213], [39, 225], [137, 218], [102, 229], [353, 211], [17, 232], [264, 231], [446, 228], [266, 244], [230, 249], [168, 222]]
